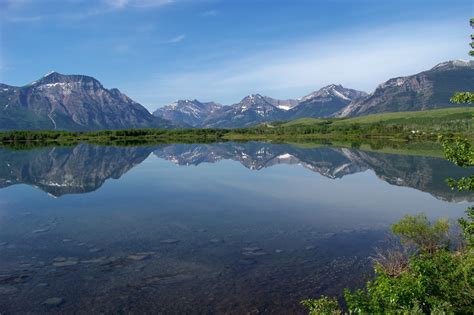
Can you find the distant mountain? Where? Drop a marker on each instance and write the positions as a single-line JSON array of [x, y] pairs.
[[192, 113], [255, 109], [251, 110], [325, 102], [426, 90], [71, 102]]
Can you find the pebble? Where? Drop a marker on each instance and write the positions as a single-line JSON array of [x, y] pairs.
[[7, 289], [251, 249], [138, 257], [94, 260], [169, 241], [253, 253], [25, 265], [146, 253], [41, 230], [69, 262], [247, 262], [53, 302]]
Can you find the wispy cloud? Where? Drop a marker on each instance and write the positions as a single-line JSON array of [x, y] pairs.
[[14, 12], [361, 61], [121, 48], [176, 39], [119, 4], [26, 19], [210, 13]]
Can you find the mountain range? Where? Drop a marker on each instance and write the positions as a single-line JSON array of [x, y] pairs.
[[254, 109], [426, 90], [79, 102]]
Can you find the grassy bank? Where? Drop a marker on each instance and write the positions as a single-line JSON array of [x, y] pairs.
[[402, 126], [395, 127]]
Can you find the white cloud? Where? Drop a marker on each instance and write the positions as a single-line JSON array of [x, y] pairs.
[[176, 39], [27, 19], [119, 4], [358, 60], [13, 10], [210, 13]]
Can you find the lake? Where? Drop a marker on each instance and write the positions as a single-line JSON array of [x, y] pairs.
[[238, 228]]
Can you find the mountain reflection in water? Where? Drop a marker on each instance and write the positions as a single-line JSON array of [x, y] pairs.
[[85, 168]]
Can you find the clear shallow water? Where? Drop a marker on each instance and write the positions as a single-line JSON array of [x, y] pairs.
[[222, 228]]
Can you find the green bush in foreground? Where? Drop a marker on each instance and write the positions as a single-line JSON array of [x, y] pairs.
[[432, 273], [323, 305]]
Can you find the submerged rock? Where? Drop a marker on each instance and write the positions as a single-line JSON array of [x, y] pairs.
[[94, 260], [43, 230], [258, 253], [138, 257], [169, 241], [54, 302], [251, 249], [216, 240], [247, 262], [7, 289], [65, 263]]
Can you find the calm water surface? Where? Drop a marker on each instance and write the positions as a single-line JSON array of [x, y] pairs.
[[218, 228]]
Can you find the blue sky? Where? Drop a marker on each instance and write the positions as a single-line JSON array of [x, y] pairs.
[[157, 51]]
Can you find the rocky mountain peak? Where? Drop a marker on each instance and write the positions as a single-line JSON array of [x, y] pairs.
[[453, 64], [334, 91], [255, 102], [55, 79], [253, 98]]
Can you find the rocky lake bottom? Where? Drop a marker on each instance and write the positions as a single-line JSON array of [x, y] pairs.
[[210, 229]]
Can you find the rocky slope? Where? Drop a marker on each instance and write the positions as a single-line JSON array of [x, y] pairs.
[[71, 102], [426, 90], [251, 110], [325, 102]]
